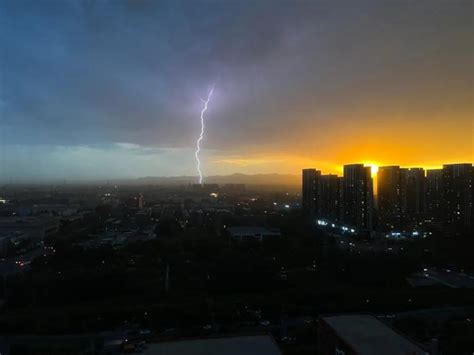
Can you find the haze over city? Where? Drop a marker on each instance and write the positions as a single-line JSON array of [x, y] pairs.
[[111, 89]]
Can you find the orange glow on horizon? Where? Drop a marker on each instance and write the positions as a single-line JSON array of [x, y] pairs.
[[293, 164], [374, 168], [388, 143]]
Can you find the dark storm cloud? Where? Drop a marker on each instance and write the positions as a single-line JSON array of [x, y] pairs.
[[88, 72]]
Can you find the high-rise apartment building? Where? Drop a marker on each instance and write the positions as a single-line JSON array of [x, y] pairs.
[[389, 192], [457, 195], [413, 191], [358, 196], [434, 193], [310, 191], [400, 195], [406, 198], [331, 197]]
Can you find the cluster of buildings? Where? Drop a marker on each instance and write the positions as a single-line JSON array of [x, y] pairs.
[[246, 233], [354, 334], [16, 232], [406, 198], [348, 199]]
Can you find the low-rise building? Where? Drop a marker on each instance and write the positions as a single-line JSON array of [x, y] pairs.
[[362, 335], [237, 345], [246, 233], [36, 227]]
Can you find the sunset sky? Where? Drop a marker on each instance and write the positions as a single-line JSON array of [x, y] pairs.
[[111, 89]]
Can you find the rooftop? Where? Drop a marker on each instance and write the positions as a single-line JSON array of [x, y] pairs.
[[369, 336], [239, 345], [30, 220], [252, 231]]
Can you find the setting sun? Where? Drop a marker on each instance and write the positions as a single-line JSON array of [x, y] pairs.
[[374, 168]]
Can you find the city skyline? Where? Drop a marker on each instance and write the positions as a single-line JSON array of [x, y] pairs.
[[403, 200], [271, 177], [98, 90], [234, 177]]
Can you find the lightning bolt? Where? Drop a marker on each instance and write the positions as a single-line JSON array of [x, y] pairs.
[[201, 136]]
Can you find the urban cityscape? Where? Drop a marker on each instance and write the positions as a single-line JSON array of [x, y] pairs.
[[134, 267], [206, 177], [410, 202]]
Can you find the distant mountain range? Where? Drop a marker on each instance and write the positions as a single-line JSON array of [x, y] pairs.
[[256, 179], [260, 180]]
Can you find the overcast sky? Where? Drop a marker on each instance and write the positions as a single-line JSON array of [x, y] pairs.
[[102, 89]]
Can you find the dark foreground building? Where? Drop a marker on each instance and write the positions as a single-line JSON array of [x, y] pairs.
[[112, 343], [238, 345], [362, 335]]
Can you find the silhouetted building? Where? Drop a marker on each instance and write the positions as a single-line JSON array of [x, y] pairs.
[[457, 195], [358, 196], [311, 191], [434, 193], [232, 345], [246, 233], [400, 195], [362, 335], [35, 227], [412, 192], [330, 197], [389, 195]]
